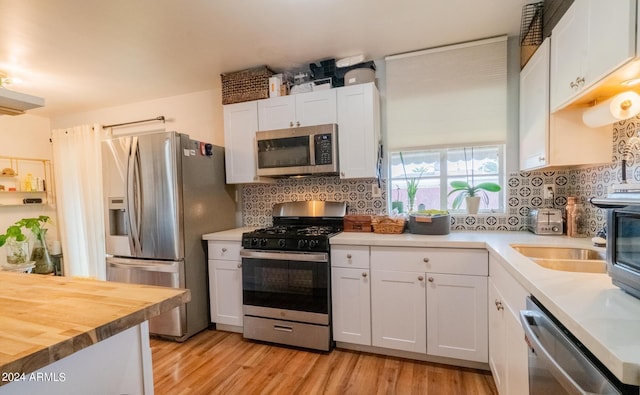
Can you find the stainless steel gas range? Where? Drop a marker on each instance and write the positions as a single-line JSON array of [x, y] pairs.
[[286, 275]]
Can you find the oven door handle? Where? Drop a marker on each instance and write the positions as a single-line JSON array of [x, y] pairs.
[[286, 255]]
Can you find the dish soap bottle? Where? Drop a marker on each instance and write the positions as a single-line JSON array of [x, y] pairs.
[[576, 218]]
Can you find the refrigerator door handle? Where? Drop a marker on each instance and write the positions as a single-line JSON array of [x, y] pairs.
[[168, 268], [132, 198]]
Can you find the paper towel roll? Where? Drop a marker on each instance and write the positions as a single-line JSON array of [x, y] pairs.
[[622, 106]]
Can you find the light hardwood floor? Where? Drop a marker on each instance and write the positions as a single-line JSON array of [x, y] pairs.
[[215, 362]]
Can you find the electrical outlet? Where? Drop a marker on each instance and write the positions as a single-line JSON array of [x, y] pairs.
[[549, 191], [376, 191]]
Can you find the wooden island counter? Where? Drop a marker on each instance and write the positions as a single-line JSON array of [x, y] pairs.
[[61, 335]]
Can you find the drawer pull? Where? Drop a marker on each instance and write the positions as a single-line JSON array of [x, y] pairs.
[[420, 278], [239, 265], [430, 279], [425, 260], [283, 328], [224, 249], [364, 274], [348, 256]]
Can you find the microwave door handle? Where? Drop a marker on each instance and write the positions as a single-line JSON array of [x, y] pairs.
[[526, 317], [312, 150]]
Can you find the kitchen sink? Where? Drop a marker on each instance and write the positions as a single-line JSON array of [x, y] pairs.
[[566, 259]]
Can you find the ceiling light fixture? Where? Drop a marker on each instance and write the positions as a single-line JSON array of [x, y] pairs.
[[15, 103]]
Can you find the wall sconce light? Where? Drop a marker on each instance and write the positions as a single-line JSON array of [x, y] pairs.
[[620, 107]]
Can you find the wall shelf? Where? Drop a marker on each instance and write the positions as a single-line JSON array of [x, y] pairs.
[[42, 181]]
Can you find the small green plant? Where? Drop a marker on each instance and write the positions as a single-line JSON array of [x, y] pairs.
[[14, 232], [465, 189], [468, 189], [412, 183]]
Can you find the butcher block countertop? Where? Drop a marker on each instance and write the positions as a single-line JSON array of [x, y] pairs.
[[46, 318]]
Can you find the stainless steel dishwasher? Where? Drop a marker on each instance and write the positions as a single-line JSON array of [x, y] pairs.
[[558, 363]]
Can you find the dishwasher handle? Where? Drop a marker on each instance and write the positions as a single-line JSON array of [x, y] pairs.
[[527, 318]]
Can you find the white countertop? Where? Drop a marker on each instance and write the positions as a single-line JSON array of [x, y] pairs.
[[228, 235], [603, 317]]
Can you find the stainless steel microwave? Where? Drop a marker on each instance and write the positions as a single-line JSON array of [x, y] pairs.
[[623, 248], [297, 151]]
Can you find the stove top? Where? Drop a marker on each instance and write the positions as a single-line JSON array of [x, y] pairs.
[[299, 226], [291, 237]]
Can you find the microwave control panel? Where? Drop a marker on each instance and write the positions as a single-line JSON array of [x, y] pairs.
[[323, 149]]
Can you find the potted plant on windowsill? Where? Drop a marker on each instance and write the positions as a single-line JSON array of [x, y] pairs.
[[412, 184], [469, 192], [17, 244]]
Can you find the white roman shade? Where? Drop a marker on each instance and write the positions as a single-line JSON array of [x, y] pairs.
[[447, 96]]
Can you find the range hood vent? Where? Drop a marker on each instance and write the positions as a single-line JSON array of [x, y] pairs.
[[16, 103]]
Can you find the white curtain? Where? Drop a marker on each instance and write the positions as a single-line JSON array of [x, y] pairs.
[[77, 163]]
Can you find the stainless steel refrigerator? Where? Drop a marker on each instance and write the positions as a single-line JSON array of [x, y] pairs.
[[163, 191]]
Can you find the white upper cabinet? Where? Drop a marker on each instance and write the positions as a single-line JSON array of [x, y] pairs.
[[305, 109], [590, 41], [534, 109], [358, 130], [558, 139], [240, 126]]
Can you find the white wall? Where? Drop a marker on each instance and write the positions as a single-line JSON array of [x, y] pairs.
[[197, 114], [25, 136]]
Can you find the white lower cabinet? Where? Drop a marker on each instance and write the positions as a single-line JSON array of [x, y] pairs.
[[457, 316], [399, 313], [351, 305], [508, 354], [350, 294], [225, 283], [430, 300]]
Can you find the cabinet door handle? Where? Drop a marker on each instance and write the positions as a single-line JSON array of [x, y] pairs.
[[342, 174], [224, 249], [580, 81], [425, 260], [348, 256], [239, 265], [298, 123], [420, 278], [291, 124], [364, 274], [499, 305], [430, 279], [541, 159]]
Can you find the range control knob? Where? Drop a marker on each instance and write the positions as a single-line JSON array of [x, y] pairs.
[[281, 243], [555, 229], [313, 243], [254, 242], [302, 243], [263, 242]]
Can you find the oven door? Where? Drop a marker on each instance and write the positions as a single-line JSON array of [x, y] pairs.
[[623, 252], [290, 286]]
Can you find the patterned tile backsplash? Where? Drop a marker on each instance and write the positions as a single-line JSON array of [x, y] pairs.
[[524, 190]]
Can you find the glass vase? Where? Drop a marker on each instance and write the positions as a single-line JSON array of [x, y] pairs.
[[17, 252], [40, 254]]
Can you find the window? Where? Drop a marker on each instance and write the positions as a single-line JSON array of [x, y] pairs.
[[432, 170]]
